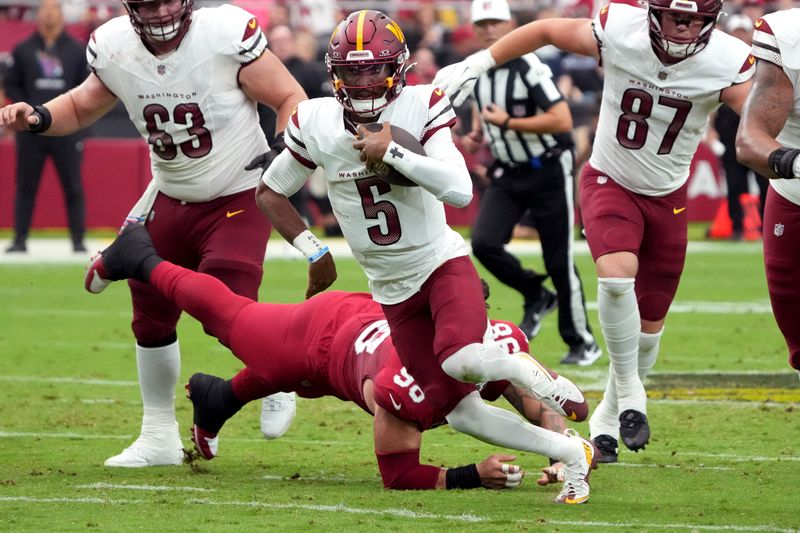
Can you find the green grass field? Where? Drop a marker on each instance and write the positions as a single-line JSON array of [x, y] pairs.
[[725, 453]]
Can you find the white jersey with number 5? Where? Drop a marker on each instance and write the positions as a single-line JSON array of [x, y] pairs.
[[776, 40], [201, 127], [653, 116], [399, 235]]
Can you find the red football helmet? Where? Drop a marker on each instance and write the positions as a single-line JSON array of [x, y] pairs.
[[676, 48], [158, 30], [367, 61]]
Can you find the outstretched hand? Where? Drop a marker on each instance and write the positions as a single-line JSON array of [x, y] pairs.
[[551, 474], [497, 473], [18, 116], [321, 275]]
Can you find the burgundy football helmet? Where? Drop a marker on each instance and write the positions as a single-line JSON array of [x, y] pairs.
[[367, 61], [677, 49], [157, 30]]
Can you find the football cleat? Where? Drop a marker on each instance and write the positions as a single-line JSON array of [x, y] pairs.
[[277, 414], [127, 257], [608, 447], [557, 392], [634, 429], [576, 473], [156, 446], [210, 413]]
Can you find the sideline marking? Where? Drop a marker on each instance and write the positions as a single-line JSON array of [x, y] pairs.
[[406, 513]]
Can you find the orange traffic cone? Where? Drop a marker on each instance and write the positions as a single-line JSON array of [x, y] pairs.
[[721, 226]]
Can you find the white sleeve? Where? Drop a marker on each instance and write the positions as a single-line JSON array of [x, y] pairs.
[[141, 210], [441, 172], [286, 175]]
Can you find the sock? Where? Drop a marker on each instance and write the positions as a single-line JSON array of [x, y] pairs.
[[619, 318], [159, 369], [648, 351], [503, 428], [479, 363], [605, 418]]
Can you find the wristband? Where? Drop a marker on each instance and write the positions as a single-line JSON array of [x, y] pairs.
[[310, 246], [463, 477], [504, 126], [781, 162], [45, 119]]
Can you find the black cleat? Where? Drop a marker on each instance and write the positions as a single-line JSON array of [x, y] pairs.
[[17, 247], [535, 309], [608, 447], [214, 403], [131, 255], [634, 429]]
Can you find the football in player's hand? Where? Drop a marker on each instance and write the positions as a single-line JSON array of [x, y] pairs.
[[387, 172]]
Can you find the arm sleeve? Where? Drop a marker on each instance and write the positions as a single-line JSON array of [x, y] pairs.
[[402, 471], [285, 175], [290, 170], [442, 172]]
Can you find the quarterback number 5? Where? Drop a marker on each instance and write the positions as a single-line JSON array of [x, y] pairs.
[[387, 230], [405, 380], [637, 106], [187, 115]]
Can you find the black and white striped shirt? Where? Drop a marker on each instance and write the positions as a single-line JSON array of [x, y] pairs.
[[523, 87]]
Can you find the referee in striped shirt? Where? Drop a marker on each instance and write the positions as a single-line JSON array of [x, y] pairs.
[[527, 124]]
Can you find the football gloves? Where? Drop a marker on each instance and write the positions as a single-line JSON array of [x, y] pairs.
[[458, 79], [265, 160]]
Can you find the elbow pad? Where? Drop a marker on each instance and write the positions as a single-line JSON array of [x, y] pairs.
[[402, 471]]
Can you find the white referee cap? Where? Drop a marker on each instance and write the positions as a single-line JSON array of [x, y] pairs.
[[490, 10]]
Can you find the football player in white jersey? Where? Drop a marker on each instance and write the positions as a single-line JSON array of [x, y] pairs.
[[190, 82], [768, 141], [418, 268], [666, 70]]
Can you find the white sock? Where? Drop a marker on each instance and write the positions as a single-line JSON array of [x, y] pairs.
[[479, 363], [503, 428], [605, 418], [159, 369], [648, 351], [618, 312]]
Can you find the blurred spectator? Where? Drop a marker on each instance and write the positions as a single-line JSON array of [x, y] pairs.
[[425, 67], [726, 123], [48, 63]]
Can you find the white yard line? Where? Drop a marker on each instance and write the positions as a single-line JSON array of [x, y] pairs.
[[158, 488], [70, 380], [407, 514]]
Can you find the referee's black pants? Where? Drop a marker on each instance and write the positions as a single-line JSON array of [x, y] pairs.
[[67, 154], [548, 194]]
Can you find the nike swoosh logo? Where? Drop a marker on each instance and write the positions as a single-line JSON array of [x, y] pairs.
[[234, 213], [576, 500], [397, 406], [676, 210]]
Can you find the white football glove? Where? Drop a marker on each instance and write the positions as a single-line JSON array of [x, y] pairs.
[[458, 79]]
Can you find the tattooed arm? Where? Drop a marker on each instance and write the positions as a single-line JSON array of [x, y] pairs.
[[534, 410], [765, 111]]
